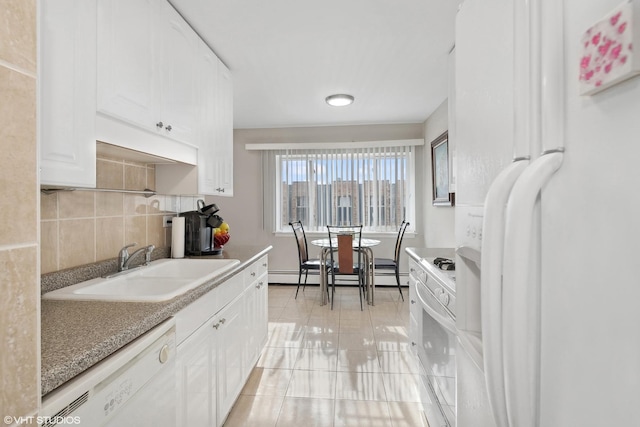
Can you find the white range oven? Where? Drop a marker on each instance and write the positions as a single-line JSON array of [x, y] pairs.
[[432, 332]]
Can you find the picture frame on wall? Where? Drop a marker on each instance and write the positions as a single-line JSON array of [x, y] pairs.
[[441, 195]]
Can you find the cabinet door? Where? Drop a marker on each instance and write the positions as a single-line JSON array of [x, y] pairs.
[[224, 133], [415, 309], [128, 67], [196, 375], [251, 315], [262, 321], [208, 93], [230, 338], [67, 93], [177, 74], [256, 316]]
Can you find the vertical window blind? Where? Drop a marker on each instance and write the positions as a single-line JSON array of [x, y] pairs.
[[372, 186]]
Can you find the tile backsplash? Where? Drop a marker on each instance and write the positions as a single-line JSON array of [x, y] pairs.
[[82, 227]]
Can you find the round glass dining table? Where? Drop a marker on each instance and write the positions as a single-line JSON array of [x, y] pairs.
[[366, 246]]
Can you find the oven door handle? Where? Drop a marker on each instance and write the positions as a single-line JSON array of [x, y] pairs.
[[447, 322]]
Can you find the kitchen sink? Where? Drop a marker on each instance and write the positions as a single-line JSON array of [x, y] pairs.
[[161, 280]]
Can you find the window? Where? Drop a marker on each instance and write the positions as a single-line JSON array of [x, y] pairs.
[[372, 186], [301, 207], [380, 206], [344, 211]]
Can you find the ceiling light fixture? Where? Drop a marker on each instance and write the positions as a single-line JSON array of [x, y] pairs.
[[339, 100]]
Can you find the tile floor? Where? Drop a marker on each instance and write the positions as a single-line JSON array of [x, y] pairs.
[[344, 367]]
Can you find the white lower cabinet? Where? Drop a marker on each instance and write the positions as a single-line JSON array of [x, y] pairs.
[[415, 308], [231, 370], [197, 378], [415, 316], [256, 281], [216, 357], [257, 315]]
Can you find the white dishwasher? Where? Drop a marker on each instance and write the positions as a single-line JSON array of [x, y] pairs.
[[135, 386]]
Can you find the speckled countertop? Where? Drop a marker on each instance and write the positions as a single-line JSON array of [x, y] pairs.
[[78, 334], [424, 253]]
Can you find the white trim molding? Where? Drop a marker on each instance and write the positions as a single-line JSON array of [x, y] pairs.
[[329, 145]]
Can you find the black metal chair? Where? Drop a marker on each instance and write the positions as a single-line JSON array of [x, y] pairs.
[[344, 243], [393, 264], [304, 263]]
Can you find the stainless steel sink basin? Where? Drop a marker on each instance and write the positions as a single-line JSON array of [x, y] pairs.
[[159, 281]]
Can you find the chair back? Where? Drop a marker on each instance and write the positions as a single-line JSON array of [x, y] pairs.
[[301, 241], [396, 255], [345, 240]]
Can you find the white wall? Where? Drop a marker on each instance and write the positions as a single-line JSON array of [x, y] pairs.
[[244, 211], [438, 222]]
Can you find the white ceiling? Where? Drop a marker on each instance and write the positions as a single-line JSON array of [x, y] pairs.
[[286, 56]]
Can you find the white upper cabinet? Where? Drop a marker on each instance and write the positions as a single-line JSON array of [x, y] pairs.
[[178, 77], [224, 133], [67, 93], [146, 78], [133, 74], [127, 70], [215, 158], [208, 86], [214, 173]]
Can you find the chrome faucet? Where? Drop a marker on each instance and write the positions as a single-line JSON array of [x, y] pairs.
[[124, 259]]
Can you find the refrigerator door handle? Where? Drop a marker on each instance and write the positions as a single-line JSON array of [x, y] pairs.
[[491, 285], [521, 311]]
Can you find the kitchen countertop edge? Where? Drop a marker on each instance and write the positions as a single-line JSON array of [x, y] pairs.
[[425, 257], [78, 334]]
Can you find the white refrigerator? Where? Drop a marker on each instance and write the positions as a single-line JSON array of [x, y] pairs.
[[549, 328]]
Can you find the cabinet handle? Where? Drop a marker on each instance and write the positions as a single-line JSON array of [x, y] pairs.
[[159, 125], [223, 320], [413, 343], [168, 128], [264, 265], [216, 325], [220, 190], [413, 301], [412, 270], [163, 356], [253, 274]]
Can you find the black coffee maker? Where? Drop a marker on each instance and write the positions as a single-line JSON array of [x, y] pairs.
[[198, 229]]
